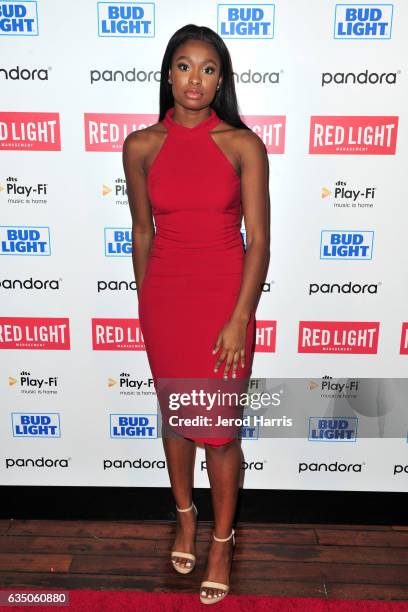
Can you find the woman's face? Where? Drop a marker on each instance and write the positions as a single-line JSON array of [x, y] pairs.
[[195, 74]]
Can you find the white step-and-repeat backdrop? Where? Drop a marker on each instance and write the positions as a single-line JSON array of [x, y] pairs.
[[325, 86]]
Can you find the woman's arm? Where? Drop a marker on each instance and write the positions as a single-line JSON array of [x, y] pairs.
[[133, 155], [255, 205]]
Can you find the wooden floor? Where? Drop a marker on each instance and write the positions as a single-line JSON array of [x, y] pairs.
[[325, 561]]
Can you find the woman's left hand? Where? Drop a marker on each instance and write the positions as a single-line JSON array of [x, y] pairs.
[[231, 340]]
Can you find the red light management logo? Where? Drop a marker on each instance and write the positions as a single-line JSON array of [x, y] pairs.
[[44, 333], [265, 336], [117, 335], [30, 131], [404, 339], [107, 131], [270, 128], [355, 337], [353, 135]]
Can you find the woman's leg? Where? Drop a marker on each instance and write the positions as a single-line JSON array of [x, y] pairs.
[[180, 454], [223, 466]]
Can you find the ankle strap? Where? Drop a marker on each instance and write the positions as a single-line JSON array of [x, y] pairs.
[[224, 539], [185, 509]]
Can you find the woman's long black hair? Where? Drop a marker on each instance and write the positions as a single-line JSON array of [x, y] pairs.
[[225, 101]]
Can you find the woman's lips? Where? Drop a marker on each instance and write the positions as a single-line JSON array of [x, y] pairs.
[[190, 93]]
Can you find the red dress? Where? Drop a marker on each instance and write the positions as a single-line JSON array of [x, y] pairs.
[[195, 268]]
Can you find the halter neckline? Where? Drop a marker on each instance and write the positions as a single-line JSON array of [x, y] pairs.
[[204, 126]]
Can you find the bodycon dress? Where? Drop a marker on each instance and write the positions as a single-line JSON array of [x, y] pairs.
[[195, 267]]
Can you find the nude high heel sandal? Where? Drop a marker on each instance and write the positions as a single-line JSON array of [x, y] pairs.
[[216, 585], [174, 553]]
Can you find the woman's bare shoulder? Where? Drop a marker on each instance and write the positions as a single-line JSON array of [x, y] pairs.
[[237, 132], [139, 142], [243, 139]]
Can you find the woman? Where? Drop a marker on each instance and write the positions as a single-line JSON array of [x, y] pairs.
[[197, 171]]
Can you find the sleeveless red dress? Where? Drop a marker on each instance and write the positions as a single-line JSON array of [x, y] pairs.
[[195, 268]]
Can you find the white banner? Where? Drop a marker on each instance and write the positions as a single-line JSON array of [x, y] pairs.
[[324, 84]]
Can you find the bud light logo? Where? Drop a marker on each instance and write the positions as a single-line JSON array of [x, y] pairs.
[[118, 242], [250, 432], [36, 425], [346, 244], [18, 18], [126, 19], [24, 240], [246, 20], [363, 21], [130, 426], [339, 429]]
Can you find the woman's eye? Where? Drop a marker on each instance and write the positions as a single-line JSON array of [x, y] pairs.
[[183, 66]]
